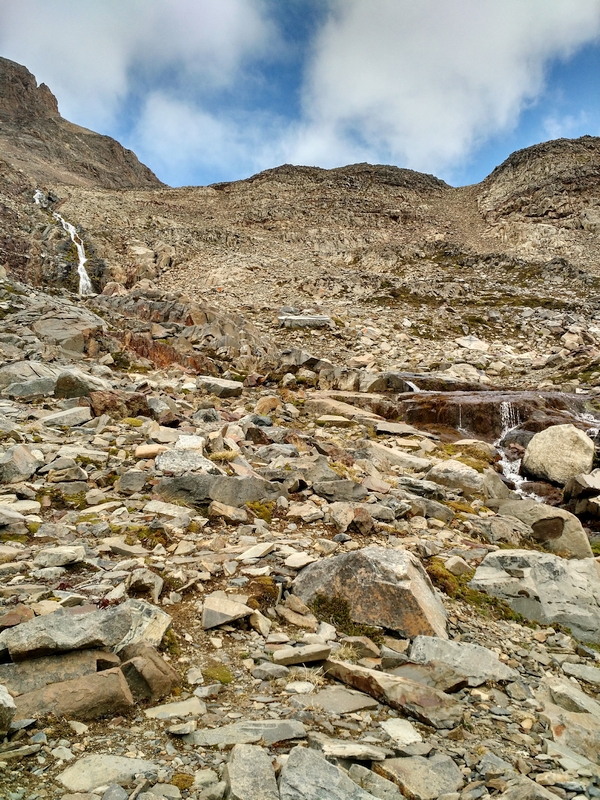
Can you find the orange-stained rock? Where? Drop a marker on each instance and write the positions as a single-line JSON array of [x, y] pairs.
[[422, 702], [387, 588], [89, 697]]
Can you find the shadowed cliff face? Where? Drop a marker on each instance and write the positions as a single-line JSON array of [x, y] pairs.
[[49, 149]]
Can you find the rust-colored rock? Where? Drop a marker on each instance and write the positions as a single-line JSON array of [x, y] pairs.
[[89, 697], [147, 673], [425, 703], [387, 588], [119, 404]]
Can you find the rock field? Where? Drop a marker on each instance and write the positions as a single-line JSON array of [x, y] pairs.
[[304, 503]]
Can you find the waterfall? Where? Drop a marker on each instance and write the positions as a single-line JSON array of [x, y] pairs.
[[509, 417], [413, 386], [85, 284]]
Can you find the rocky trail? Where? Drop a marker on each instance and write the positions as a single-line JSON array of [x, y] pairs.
[[300, 496]]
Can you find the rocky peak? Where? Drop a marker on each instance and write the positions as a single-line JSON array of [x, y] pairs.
[[49, 150], [20, 96]]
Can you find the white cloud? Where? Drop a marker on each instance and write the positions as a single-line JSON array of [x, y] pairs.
[[422, 83], [93, 53], [178, 139]]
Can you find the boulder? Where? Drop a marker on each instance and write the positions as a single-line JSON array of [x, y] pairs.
[[427, 704], [476, 663], [199, 490], [62, 632], [457, 475], [306, 775], [89, 697], [558, 530], [178, 462], [386, 588], [101, 770], [249, 774], [148, 675], [35, 673], [219, 386], [545, 588], [70, 418], [558, 454], [17, 464], [423, 778], [61, 556]]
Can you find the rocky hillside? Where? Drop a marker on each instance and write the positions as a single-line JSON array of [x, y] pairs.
[[304, 501]]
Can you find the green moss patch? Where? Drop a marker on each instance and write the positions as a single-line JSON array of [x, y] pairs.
[[336, 610]]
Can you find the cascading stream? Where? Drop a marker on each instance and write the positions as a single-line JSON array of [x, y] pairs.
[[509, 416], [85, 284]]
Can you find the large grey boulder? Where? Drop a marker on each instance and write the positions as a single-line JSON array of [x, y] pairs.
[[101, 770], [558, 454], [250, 775], [17, 464], [457, 475], [62, 632], [545, 588], [387, 588], [476, 663], [219, 386], [423, 778], [558, 530], [306, 775], [198, 490]]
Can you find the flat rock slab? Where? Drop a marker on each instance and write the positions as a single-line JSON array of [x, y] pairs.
[[582, 672], [387, 588], [27, 676], [249, 774], [98, 770], [295, 322], [423, 778], [193, 707], [306, 775], [61, 632], [337, 700], [248, 732], [301, 655], [476, 663], [401, 731], [373, 783], [219, 610], [219, 386], [422, 702]]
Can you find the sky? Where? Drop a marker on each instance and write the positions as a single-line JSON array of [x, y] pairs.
[[214, 90]]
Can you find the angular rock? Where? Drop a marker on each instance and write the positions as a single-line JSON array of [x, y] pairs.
[[387, 588], [131, 482], [423, 778], [401, 731], [35, 673], [289, 656], [476, 663], [231, 515], [31, 390], [148, 675], [192, 707], [371, 782], [74, 383], [219, 386], [457, 475], [337, 700], [558, 530], [17, 464], [89, 697], [248, 732], [59, 556], [144, 580], [148, 625], [582, 672], [425, 704], [179, 462], [558, 454], [249, 774], [199, 490], [101, 770], [61, 632], [344, 748], [218, 610], [70, 418], [307, 776], [545, 588]]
